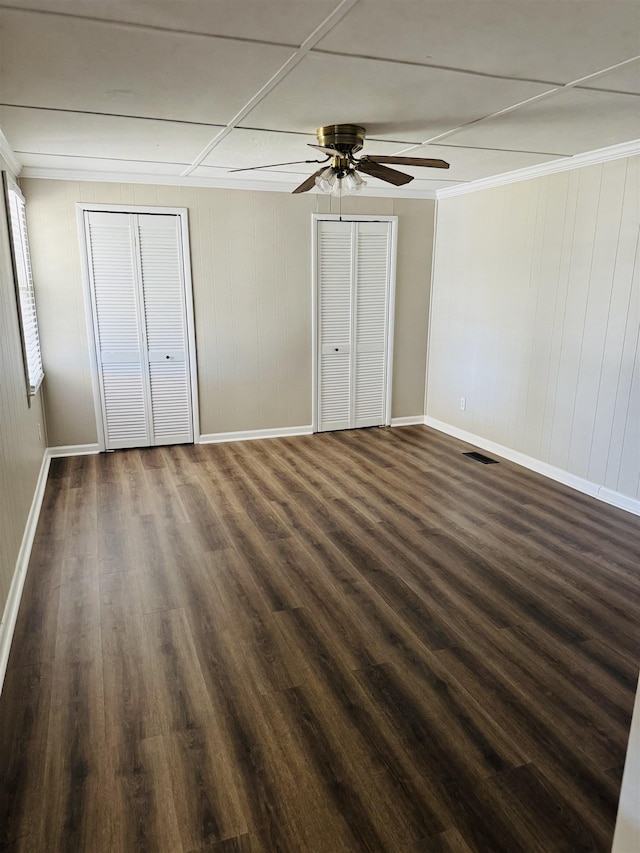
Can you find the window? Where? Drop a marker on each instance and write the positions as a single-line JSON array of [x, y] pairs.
[[24, 287]]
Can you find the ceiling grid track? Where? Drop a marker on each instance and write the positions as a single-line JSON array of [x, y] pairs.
[[319, 33], [555, 90]]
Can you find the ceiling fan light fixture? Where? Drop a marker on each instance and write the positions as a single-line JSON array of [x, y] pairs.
[[338, 181], [337, 187], [353, 183], [326, 180]]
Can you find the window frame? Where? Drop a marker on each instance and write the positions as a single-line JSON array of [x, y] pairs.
[[26, 308]]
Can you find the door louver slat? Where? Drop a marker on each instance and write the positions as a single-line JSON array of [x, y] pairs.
[[124, 406], [335, 397], [171, 408], [369, 389]]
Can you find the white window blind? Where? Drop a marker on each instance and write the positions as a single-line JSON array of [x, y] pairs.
[[26, 297]]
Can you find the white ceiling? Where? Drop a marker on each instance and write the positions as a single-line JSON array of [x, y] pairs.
[[185, 90]]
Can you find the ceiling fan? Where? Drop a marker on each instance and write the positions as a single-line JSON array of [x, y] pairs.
[[340, 142]]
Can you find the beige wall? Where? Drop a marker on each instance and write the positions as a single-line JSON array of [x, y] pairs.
[[21, 451], [251, 266], [535, 317]]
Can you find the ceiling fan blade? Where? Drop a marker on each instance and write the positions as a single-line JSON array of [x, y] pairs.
[[331, 151], [309, 183], [376, 170], [408, 161], [273, 165]]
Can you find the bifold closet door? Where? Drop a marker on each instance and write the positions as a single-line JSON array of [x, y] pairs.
[[139, 314], [372, 283], [167, 339], [354, 278], [335, 306]]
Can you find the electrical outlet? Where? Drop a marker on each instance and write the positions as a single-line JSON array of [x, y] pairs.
[[463, 403], [39, 432]]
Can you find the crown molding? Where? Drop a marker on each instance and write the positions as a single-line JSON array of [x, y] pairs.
[[6, 152], [575, 161], [95, 176]]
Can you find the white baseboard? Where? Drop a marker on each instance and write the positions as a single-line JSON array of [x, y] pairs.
[[626, 838], [73, 450], [621, 501], [595, 490], [10, 615], [250, 434], [410, 421]]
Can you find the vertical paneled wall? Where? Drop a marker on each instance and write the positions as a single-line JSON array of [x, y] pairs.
[[535, 317], [21, 450], [251, 264]]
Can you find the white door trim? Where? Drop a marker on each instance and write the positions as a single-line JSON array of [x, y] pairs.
[[183, 216], [335, 217]]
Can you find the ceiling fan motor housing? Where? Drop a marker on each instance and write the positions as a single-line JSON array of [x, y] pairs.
[[345, 138]]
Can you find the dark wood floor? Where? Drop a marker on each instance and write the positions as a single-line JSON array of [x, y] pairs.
[[358, 641]]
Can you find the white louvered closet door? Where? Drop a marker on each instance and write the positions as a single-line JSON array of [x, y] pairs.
[[335, 297], [139, 313], [372, 253], [119, 327], [166, 328], [353, 276]]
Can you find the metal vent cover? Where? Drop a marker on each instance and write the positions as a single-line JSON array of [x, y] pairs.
[[479, 457]]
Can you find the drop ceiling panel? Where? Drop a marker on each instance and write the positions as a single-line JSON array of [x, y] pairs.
[[148, 60], [570, 122], [625, 79], [390, 100], [282, 21], [53, 132], [93, 165], [552, 41], [246, 147], [72, 63]]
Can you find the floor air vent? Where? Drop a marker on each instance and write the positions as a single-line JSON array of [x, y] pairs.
[[481, 458]]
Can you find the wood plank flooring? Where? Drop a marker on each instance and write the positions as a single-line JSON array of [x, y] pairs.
[[354, 641]]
